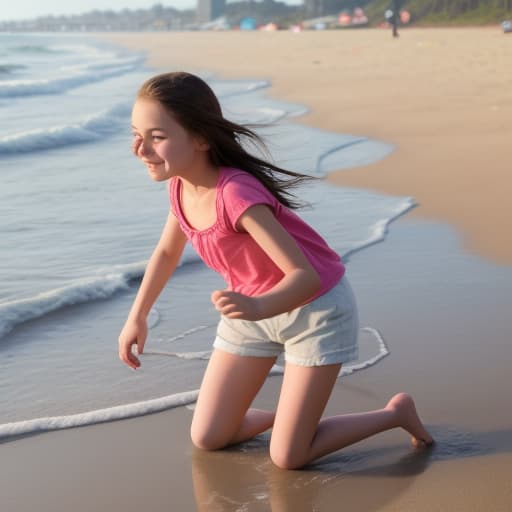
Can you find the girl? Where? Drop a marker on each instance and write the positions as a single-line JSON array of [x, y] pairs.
[[286, 288]]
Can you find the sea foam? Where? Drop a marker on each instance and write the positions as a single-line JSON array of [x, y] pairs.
[[86, 289], [89, 129], [32, 87]]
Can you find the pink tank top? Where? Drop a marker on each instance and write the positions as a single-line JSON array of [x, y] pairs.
[[234, 254]]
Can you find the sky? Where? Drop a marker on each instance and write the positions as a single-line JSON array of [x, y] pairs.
[[27, 9]]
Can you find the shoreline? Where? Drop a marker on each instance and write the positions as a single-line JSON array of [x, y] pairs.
[[443, 134]]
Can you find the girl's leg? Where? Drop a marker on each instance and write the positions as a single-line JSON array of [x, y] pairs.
[[298, 435], [222, 416]]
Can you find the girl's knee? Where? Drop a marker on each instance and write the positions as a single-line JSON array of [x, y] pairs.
[[285, 457], [207, 439]]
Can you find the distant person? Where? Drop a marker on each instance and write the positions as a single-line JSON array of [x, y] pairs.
[[392, 15], [286, 288]]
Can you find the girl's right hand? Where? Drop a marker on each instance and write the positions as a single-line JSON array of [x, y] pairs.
[[134, 332]]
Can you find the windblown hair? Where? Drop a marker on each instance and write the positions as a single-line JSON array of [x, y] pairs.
[[195, 107]]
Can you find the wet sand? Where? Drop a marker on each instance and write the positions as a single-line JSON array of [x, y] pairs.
[[450, 348], [442, 310]]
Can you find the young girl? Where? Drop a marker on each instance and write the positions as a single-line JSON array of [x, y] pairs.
[[286, 289]]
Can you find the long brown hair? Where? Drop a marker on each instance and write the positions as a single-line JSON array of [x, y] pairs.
[[195, 106]]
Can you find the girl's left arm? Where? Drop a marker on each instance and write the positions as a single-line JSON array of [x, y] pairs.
[[300, 282]]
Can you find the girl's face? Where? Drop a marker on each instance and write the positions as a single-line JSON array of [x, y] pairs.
[[162, 143]]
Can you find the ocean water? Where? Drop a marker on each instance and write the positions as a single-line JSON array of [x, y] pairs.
[[79, 218]]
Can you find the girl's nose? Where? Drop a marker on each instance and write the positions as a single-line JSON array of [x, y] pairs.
[[144, 148]]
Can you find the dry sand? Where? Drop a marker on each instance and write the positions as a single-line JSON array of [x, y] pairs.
[[442, 97]]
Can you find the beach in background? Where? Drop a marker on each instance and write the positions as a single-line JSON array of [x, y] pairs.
[[420, 121]]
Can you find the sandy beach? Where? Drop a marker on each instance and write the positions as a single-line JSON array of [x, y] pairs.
[[443, 98]]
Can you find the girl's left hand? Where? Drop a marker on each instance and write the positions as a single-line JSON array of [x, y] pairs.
[[235, 305]]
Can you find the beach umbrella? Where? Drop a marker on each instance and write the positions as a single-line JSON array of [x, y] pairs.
[[359, 17], [248, 24], [269, 27], [344, 18], [405, 17]]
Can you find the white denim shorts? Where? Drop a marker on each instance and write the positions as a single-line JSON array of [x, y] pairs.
[[324, 331]]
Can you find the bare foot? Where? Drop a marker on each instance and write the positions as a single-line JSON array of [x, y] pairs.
[[407, 418]]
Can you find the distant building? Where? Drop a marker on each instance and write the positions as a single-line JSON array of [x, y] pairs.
[[208, 10]]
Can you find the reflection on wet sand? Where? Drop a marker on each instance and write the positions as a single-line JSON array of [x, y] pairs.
[[244, 478]]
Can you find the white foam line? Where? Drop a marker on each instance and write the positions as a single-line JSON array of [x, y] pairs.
[[249, 116], [204, 355], [83, 290], [381, 228], [335, 150], [35, 87], [262, 84], [119, 412], [184, 334], [88, 129], [383, 352]]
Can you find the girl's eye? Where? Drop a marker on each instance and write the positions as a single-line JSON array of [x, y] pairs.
[[157, 137], [136, 136]]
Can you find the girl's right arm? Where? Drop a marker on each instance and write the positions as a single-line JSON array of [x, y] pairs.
[[161, 265]]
